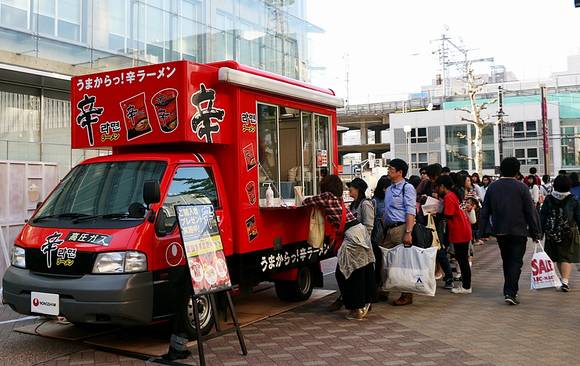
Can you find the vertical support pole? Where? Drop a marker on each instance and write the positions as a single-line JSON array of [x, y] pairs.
[[237, 324], [543, 96], [198, 331]]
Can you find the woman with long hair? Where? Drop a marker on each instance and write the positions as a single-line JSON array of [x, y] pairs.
[[355, 268], [458, 231]]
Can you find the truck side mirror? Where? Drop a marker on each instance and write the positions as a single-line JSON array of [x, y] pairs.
[[151, 192]]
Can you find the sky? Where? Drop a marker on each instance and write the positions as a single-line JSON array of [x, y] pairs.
[[386, 45]]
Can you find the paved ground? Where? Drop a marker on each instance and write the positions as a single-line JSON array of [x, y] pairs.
[[477, 329]]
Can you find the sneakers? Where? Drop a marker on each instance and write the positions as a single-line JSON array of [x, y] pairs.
[[511, 300], [448, 284], [461, 290], [565, 287], [336, 305], [357, 314]]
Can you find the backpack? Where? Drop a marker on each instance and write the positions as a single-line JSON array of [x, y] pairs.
[[557, 228]]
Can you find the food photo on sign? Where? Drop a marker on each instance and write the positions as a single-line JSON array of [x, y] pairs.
[[203, 248]]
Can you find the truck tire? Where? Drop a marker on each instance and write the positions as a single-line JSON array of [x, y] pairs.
[[206, 318], [298, 290]]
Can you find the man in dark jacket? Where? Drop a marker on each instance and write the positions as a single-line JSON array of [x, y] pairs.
[[509, 214]]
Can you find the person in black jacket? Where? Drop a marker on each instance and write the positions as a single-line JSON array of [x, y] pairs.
[[560, 217], [508, 213]]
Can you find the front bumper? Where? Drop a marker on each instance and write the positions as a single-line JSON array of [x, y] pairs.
[[125, 299]]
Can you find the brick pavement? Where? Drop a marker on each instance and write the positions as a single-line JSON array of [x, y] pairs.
[[477, 329]]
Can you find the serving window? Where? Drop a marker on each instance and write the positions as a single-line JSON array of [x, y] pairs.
[[294, 151]]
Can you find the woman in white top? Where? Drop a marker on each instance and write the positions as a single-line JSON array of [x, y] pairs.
[[534, 189]]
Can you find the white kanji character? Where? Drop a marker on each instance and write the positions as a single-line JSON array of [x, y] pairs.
[[302, 254], [92, 238], [108, 81], [141, 75], [80, 84], [279, 260], [89, 83], [130, 77], [286, 259], [271, 261], [309, 252], [150, 74], [160, 73], [170, 72], [73, 237], [293, 258], [264, 264], [117, 80], [83, 237], [98, 81]]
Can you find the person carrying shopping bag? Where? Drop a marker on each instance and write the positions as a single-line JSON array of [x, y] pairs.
[[458, 231], [355, 268], [560, 217], [400, 212]]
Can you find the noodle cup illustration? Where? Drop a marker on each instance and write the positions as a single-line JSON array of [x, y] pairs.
[[135, 116], [165, 105]]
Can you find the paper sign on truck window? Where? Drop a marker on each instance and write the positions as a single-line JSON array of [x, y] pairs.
[[203, 248], [43, 303]]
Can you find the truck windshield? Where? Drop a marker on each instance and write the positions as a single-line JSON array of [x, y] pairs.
[[100, 195]]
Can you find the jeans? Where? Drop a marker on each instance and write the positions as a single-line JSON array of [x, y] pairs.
[[444, 263], [462, 256], [513, 249]]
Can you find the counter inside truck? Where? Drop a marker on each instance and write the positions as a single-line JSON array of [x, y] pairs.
[[104, 246]]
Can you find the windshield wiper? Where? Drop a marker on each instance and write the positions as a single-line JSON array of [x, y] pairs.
[[117, 215], [71, 215]]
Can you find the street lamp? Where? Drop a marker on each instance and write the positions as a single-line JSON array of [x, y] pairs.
[[407, 130]]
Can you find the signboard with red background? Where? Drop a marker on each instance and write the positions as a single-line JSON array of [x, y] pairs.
[[164, 103]]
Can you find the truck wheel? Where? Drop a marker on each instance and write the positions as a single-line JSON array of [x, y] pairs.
[[298, 290], [206, 319]]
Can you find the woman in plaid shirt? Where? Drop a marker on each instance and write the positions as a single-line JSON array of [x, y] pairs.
[[355, 269]]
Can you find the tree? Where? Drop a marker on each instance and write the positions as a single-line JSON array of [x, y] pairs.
[[479, 122]]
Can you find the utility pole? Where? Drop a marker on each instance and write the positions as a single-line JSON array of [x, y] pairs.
[[544, 101], [500, 115]]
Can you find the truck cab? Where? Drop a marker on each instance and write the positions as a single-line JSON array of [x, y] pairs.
[[104, 247]]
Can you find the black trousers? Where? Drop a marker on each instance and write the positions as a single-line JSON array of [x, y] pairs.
[[513, 249], [359, 289], [462, 256]]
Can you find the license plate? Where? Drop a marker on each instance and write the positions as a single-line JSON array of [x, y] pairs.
[[43, 303]]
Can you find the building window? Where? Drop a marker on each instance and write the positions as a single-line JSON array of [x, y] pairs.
[[419, 160], [456, 145], [570, 148], [419, 135], [525, 129], [527, 156]]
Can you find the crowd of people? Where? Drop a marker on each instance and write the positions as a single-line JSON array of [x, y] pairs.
[[511, 208]]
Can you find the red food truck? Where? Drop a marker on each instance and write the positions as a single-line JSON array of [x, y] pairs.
[[104, 247]]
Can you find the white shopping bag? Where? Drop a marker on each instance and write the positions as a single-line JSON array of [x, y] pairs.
[[410, 269], [543, 270]]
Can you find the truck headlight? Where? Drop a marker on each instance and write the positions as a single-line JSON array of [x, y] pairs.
[[18, 257], [120, 262]]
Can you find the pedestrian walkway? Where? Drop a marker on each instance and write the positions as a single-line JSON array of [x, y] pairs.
[[477, 329]]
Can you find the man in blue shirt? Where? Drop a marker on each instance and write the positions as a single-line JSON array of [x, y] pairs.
[[400, 211]]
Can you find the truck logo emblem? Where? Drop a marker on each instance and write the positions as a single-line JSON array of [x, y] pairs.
[[50, 245], [89, 115], [203, 123]]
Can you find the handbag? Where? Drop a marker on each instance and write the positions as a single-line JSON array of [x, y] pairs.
[[422, 236], [378, 233], [316, 232], [436, 243]]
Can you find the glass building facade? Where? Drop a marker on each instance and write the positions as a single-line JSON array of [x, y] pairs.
[[80, 36]]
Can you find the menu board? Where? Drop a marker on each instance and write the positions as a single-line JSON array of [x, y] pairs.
[[203, 248]]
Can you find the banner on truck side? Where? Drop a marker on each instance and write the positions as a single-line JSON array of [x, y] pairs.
[[203, 248]]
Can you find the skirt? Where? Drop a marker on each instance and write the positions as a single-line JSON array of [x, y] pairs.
[[567, 251]]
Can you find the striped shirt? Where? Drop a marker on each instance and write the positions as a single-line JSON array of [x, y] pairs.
[[332, 207]]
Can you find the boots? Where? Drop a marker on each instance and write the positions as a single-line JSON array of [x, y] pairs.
[[405, 299]]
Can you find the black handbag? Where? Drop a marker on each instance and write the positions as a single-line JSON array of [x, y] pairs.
[[422, 236]]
